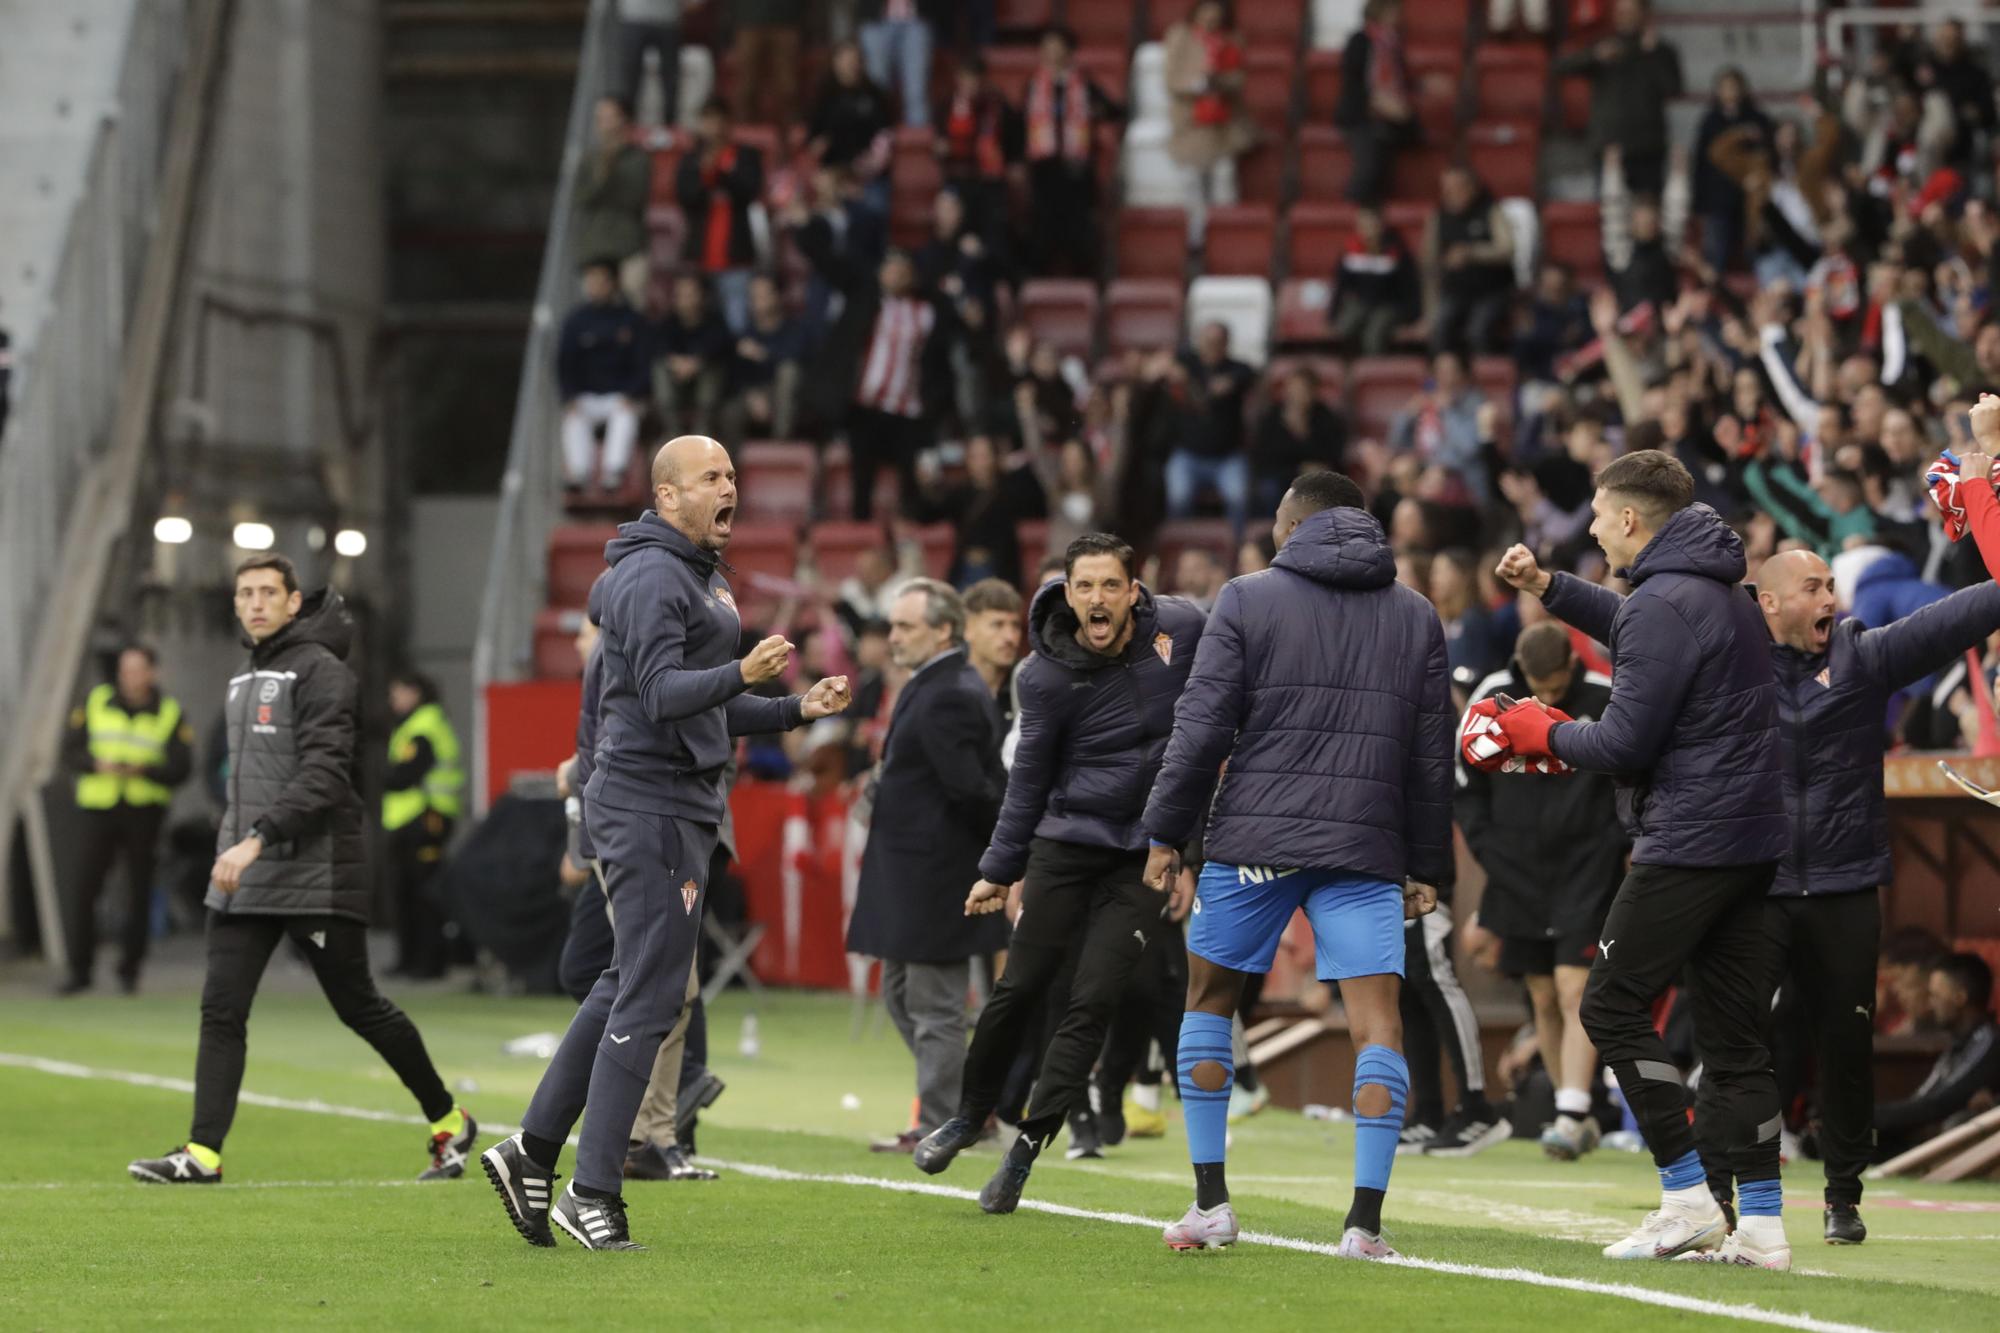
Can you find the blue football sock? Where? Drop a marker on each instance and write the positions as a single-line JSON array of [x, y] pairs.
[[1205, 1037], [1685, 1173], [1375, 1135], [1760, 1198]]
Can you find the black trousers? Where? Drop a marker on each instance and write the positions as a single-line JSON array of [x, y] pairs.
[[416, 850], [878, 438], [1374, 148], [1150, 1012], [1085, 908], [1062, 202], [1708, 920], [125, 833], [1437, 1013], [1823, 953], [239, 947]]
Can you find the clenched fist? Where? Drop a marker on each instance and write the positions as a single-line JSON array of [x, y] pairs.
[[767, 661], [986, 897], [825, 699], [1519, 569], [1985, 426]]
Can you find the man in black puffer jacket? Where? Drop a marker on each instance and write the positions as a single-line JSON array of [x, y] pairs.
[[1096, 708], [290, 863], [1824, 917], [1691, 733]]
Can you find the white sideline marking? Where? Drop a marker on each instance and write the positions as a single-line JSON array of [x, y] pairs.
[[1526, 1276]]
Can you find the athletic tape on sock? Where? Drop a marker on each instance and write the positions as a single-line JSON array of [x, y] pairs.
[[1205, 1039], [1683, 1173], [1760, 1198]]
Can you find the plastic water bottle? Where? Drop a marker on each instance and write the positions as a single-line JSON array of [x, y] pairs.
[[747, 1045]]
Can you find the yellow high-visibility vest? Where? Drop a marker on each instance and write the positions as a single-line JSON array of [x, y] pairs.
[[441, 785], [119, 737]]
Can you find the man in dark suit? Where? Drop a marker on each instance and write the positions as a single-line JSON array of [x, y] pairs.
[[936, 796]]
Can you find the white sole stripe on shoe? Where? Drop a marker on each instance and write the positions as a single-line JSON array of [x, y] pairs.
[[1521, 1276]]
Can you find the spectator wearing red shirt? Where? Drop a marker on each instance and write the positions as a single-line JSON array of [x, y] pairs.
[[717, 183]]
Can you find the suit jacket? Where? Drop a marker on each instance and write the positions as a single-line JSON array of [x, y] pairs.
[[937, 795]]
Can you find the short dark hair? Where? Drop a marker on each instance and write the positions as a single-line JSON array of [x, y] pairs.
[[269, 560], [1655, 482], [1098, 543], [715, 106], [1544, 649], [992, 595], [624, 104], [1973, 976], [605, 262], [1053, 562], [425, 687], [1061, 34], [873, 627], [1326, 489], [141, 647]]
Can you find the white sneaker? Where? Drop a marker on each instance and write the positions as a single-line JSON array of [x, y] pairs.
[[1244, 1103], [1673, 1229], [1744, 1253], [1358, 1244], [1203, 1231], [1414, 1139]]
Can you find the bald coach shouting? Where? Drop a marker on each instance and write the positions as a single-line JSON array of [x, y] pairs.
[[673, 693]]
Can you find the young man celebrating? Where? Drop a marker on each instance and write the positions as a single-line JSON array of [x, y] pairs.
[[672, 693], [290, 864], [1097, 705], [1691, 732], [1322, 682]]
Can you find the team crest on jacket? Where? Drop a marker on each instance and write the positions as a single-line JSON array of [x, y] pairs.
[[722, 595], [1825, 678], [688, 894], [263, 715], [1163, 644]]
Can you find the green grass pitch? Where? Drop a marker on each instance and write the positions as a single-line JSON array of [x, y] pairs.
[[319, 1225]]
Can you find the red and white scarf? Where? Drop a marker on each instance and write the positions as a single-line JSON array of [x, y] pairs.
[[1042, 98]]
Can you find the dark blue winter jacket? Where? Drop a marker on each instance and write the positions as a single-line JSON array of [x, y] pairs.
[[604, 349], [1093, 729], [1832, 708], [1322, 682], [586, 725], [672, 689], [1691, 732]]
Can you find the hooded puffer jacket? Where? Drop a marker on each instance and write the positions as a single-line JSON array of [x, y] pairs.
[[293, 775], [1691, 732], [1093, 729], [1322, 681]]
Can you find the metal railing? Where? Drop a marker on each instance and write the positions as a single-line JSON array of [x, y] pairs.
[[531, 489], [66, 379]]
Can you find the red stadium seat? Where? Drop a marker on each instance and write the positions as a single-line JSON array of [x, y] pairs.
[[1436, 22], [938, 541], [1304, 305], [576, 558], [1009, 68], [837, 546], [761, 551], [1033, 534], [1512, 81], [1378, 388], [555, 643], [1164, 14], [1573, 234], [1062, 311], [1267, 90], [1152, 243], [1143, 313], [1316, 238], [1322, 79], [1434, 77], [1495, 376], [1505, 157], [777, 480], [1281, 22], [836, 484], [1326, 162], [1331, 372], [1181, 534], [1239, 240], [915, 180], [1573, 99], [1100, 22], [1023, 15], [1414, 177], [1260, 174]]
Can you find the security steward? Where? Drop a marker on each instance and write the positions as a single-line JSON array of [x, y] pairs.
[[420, 805], [129, 746]]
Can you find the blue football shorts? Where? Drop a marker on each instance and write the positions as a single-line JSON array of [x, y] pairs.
[[1240, 914]]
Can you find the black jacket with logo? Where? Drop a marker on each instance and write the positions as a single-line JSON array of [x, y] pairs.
[[293, 774]]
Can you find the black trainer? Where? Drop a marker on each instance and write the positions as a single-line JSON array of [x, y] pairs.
[[595, 1224], [1083, 1138], [695, 1098], [649, 1161], [175, 1168], [947, 1141], [524, 1189], [1110, 1125], [449, 1151], [1470, 1131], [1844, 1225], [1002, 1194]]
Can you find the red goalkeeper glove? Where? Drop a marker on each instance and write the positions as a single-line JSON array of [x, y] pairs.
[[1527, 726]]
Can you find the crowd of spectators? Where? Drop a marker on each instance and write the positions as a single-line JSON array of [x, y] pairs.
[[1795, 301]]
